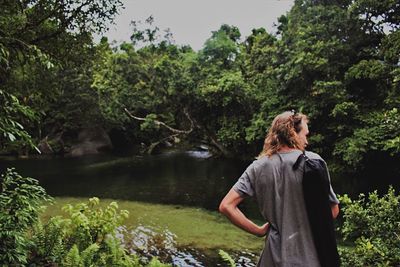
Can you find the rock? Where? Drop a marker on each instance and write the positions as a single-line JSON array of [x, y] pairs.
[[203, 147], [91, 141]]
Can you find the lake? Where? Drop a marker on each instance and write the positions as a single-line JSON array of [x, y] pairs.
[[189, 178]]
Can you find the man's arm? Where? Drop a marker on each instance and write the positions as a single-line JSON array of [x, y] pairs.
[[229, 207], [335, 210]]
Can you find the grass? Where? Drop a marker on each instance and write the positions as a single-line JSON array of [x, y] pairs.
[[194, 227]]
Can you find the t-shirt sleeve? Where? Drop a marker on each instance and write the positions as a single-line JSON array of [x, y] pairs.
[[245, 184], [332, 195]]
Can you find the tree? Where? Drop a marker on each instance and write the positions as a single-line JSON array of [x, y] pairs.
[[42, 42], [334, 61], [222, 47]]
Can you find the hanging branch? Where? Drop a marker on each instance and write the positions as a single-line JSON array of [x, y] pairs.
[[160, 123], [176, 132]]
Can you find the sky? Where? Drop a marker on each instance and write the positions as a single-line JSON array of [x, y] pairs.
[[192, 21]]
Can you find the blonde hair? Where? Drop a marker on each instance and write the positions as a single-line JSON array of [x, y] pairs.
[[283, 132]]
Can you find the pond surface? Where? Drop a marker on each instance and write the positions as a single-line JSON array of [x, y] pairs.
[[188, 178]]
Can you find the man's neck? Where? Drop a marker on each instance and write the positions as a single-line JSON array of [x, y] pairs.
[[286, 149]]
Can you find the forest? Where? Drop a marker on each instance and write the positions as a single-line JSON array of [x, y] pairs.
[[337, 61]]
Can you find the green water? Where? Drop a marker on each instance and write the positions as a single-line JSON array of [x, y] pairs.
[[187, 178]]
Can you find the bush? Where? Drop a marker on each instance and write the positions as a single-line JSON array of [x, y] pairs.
[[86, 237], [48, 242], [88, 223], [373, 225], [20, 203]]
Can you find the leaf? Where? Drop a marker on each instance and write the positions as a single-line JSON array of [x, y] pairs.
[[226, 257], [11, 137]]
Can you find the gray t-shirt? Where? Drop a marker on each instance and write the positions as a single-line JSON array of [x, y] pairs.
[[279, 195]]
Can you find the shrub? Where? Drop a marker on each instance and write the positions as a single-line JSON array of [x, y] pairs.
[[89, 223], [373, 224], [20, 203], [48, 242], [87, 236]]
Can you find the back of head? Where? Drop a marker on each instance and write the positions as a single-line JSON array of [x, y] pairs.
[[284, 133]]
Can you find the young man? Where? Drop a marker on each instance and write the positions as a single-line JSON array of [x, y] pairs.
[[277, 189]]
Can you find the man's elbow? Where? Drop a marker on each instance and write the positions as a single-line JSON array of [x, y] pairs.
[[223, 208], [229, 203]]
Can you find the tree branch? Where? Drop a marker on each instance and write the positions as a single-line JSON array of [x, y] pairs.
[[157, 122], [64, 24], [152, 146]]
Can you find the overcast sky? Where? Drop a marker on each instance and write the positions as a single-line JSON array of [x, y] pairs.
[[191, 21]]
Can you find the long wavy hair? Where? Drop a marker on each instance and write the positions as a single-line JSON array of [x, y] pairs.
[[284, 132]]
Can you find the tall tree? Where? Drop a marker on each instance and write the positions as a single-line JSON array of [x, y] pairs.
[[42, 42]]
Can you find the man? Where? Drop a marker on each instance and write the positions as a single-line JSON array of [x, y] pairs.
[[277, 189]]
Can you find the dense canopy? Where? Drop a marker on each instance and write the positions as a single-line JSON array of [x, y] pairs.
[[336, 61]]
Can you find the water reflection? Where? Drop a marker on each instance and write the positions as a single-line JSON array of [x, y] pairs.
[[189, 178], [148, 242], [186, 178]]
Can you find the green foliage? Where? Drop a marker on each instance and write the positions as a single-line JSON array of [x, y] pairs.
[[87, 236], [380, 134], [148, 34], [12, 112], [156, 263], [46, 53], [227, 258], [21, 199], [345, 110], [373, 224], [367, 69], [149, 122], [326, 61], [85, 258], [88, 223], [336, 61], [48, 241], [221, 48]]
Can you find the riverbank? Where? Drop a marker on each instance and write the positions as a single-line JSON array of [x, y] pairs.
[[190, 228]]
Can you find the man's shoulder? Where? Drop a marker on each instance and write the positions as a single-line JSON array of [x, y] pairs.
[[313, 155], [263, 161], [275, 160]]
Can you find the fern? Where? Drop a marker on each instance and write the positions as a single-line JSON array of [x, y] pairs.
[[21, 200], [87, 237], [226, 257], [88, 255], [156, 263], [72, 259], [115, 255], [48, 240]]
